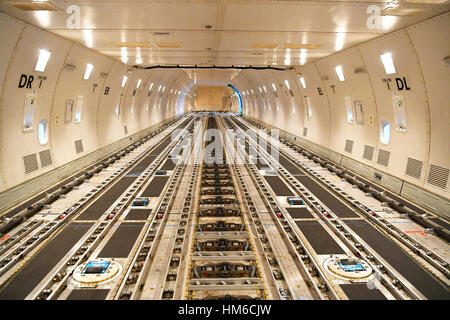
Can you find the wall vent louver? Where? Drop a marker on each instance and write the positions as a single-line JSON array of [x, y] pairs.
[[414, 168], [348, 146], [46, 158], [438, 176], [79, 146], [383, 157], [368, 152], [305, 132], [30, 163]]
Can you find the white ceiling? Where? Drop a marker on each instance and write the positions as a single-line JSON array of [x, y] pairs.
[[236, 25]]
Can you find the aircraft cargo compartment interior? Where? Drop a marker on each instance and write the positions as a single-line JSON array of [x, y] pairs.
[[218, 150]]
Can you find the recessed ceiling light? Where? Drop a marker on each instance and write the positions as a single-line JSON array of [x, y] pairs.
[[302, 81], [124, 80], [388, 63], [87, 73], [286, 82], [340, 73], [44, 55]]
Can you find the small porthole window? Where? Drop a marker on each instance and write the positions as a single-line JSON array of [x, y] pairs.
[[43, 132], [385, 132]]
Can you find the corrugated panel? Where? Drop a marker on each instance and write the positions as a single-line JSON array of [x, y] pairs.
[[79, 146], [368, 152], [305, 131], [383, 157], [438, 176], [30, 162], [46, 158], [348, 146], [414, 168]]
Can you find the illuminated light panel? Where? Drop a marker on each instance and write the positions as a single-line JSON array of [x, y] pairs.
[[151, 86], [124, 80], [302, 56], [87, 73], [89, 40], [44, 55], [43, 17], [273, 86], [340, 73], [302, 81], [388, 64], [286, 82], [138, 84], [340, 37]]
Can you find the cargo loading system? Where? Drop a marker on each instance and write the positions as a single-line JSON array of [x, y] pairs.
[[170, 217]]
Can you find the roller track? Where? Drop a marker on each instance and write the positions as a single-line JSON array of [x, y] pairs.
[[38, 256], [346, 224], [207, 230]]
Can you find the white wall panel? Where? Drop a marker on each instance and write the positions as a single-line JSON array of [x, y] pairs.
[[15, 142], [71, 85], [431, 43], [423, 81]]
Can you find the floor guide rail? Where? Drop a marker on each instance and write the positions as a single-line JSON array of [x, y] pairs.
[[218, 210], [44, 238], [232, 267], [409, 277]]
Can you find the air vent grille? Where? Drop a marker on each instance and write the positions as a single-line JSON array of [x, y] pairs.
[[438, 176], [348, 146], [305, 132], [368, 152], [46, 158], [414, 168], [79, 146], [383, 157], [30, 162]]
